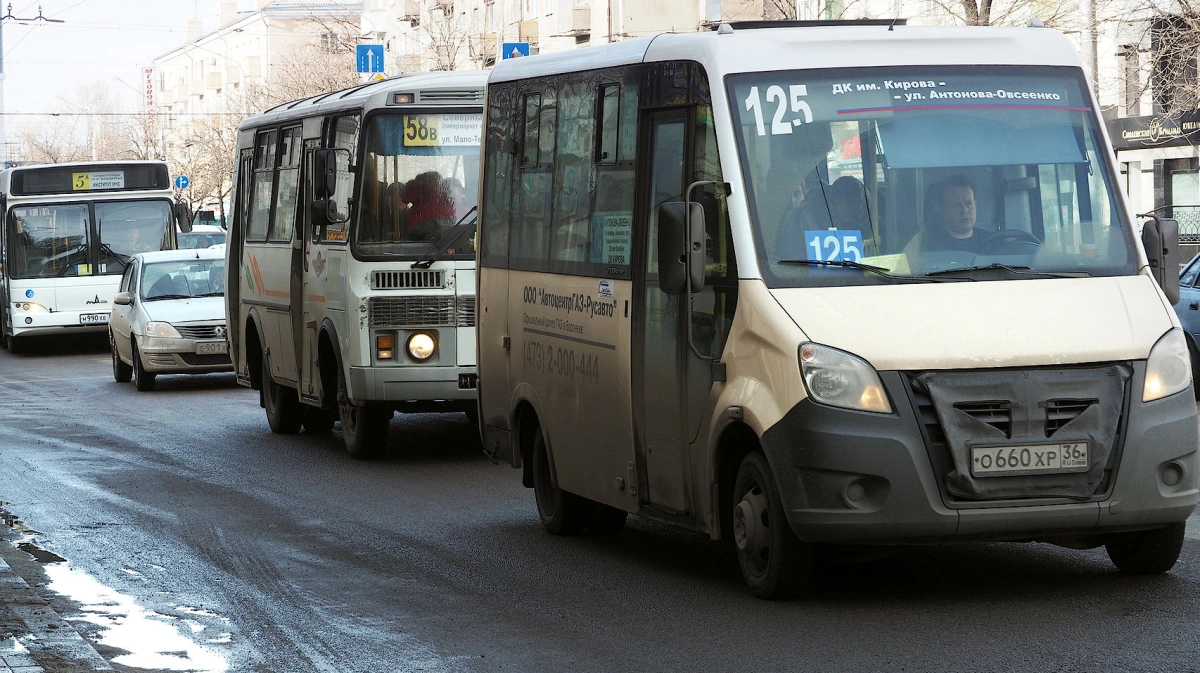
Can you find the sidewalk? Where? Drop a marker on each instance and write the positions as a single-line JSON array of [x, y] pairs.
[[33, 637]]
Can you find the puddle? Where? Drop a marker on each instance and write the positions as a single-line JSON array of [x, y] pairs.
[[148, 637], [40, 555]]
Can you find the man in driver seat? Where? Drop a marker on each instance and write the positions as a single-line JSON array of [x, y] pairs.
[[953, 204]]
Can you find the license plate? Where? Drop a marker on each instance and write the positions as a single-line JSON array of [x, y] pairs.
[[999, 461], [212, 347], [93, 319]]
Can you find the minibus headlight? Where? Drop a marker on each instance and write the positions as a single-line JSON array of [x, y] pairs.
[[161, 329], [1169, 367], [421, 346], [840, 379]]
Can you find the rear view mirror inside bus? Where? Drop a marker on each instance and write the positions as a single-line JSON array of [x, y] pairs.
[[676, 239]]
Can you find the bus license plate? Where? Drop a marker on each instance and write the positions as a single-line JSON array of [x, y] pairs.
[[999, 461], [93, 319], [212, 347]]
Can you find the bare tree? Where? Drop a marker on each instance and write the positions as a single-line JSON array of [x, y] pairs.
[[449, 30]]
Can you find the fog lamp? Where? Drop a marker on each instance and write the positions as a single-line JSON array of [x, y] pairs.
[[421, 346]]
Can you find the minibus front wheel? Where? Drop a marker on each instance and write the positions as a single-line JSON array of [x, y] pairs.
[[1146, 552], [775, 563]]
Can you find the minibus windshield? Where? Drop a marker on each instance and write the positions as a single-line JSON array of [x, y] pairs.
[[420, 177], [989, 173]]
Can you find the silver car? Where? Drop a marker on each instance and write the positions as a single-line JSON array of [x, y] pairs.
[[169, 316]]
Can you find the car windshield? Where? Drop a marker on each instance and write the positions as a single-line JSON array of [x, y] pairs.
[[420, 177], [183, 279], [196, 240], [969, 172]]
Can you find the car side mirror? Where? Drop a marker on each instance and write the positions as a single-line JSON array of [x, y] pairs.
[[183, 217], [1160, 237], [680, 246], [123, 299]]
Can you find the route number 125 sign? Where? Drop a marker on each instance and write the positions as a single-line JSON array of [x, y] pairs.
[[831, 245]]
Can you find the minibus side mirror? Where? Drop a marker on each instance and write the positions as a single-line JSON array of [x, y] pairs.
[[680, 246], [183, 217], [325, 173], [1160, 237], [123, 299]]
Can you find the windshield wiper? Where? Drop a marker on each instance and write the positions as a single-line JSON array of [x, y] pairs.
[[447, 240], [877, 270], [168, 296], [218, 293], [1017, 270], [63, 271]]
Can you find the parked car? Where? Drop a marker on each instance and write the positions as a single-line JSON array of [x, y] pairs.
[[168, 317], [201, 236]]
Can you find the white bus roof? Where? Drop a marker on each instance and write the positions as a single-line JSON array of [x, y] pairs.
[[461, 88], [760, 49]]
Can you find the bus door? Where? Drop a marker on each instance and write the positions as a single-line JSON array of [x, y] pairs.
[[311, 295], [660, 355], [233, 253]]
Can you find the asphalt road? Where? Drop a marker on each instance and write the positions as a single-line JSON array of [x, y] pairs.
[[281, 553]]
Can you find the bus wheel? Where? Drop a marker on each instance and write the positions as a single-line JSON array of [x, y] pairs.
[[122, 372], [318, 421], [775, 563], [1146, 552], [142, 379], [284, 412], [364, 428], [562, 513]]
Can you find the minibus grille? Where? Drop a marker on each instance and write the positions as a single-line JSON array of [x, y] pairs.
[[412, 311], [1061, 412], [993, 413], [406, 280], [466, 311], [452, 96]]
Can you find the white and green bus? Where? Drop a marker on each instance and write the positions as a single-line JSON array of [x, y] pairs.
[[68, 232], [854, 283], [351, 255]]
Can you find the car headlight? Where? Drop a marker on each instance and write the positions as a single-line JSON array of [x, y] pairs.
[[1169, 367], [421, 346], [162, 329], [840, 379]]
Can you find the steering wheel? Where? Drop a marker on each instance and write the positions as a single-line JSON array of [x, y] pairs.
[[1009, 240]]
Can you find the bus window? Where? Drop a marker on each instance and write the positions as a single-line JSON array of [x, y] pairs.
[[345, 136], [49, 241], [259, 215], [128, 227], [289, 184]]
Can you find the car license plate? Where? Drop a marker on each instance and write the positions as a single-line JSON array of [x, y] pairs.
[[93, 319], [999, 461], [211, 347]]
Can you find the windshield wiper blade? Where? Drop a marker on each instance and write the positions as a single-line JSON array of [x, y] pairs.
[[447, 240], [877, 270], [168, 296], [1017, 270], [63, 271], [218, 293]]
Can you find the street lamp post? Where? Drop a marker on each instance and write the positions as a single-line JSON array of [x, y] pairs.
[[8, 16]]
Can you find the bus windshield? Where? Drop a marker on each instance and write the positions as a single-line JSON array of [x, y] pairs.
[[927, 172], [49, 240], [420, 177]]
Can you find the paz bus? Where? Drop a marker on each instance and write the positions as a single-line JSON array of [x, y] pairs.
[[755, 283], [68, 232], [351, 255]]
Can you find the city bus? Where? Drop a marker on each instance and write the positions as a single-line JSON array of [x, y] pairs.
[[798, 286], [68, 232], [351, 255]]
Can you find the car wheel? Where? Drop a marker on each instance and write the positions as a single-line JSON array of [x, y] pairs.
[[364, 427], [285, 414], [318, 421], [774, 562], [122, 372], [561, 513], [143, 379], [1146, 552]]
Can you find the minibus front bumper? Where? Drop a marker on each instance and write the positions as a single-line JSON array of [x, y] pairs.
[[863, 478], [403, 384]]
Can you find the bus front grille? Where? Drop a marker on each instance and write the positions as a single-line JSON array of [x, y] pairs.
[[450, 96], [466, 311], [412, 311]]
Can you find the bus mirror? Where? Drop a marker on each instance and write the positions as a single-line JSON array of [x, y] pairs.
[[183, 217], [325, 211], [680, 246], [325, 169], [1160, 237]]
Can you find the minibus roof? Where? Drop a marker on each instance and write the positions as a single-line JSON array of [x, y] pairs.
[[760, 48], [463, 87]]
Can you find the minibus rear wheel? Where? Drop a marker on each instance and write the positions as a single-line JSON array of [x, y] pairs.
[[561, 513], [775, 563], [1146, 552]]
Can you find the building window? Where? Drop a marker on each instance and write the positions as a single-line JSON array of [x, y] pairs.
[[1174, 42]]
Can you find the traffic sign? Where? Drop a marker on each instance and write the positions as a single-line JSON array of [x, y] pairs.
[[369, 57], [514, 50], [181, 182]]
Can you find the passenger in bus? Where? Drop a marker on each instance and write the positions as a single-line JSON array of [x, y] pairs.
[[818, 205], [458, 196], [393, 213], [431, 206], [953, 226]]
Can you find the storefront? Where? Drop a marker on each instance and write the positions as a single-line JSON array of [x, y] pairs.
[[1160, 166]]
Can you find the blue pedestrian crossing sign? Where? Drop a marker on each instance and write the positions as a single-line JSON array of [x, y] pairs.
[[181, 182], [369, 57], [514, 50]]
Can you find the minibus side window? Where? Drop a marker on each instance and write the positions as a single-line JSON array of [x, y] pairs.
[[498, 181], [530, 227], [344, 133], [259, 213]]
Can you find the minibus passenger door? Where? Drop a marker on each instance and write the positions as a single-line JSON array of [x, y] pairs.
[[233, 268], [658, 361]]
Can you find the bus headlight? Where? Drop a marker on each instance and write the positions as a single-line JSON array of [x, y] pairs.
[[162, 329], [840, 379], [421, 346], [1169, 367]]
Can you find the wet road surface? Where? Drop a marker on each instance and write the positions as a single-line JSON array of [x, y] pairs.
[[195, 539]]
